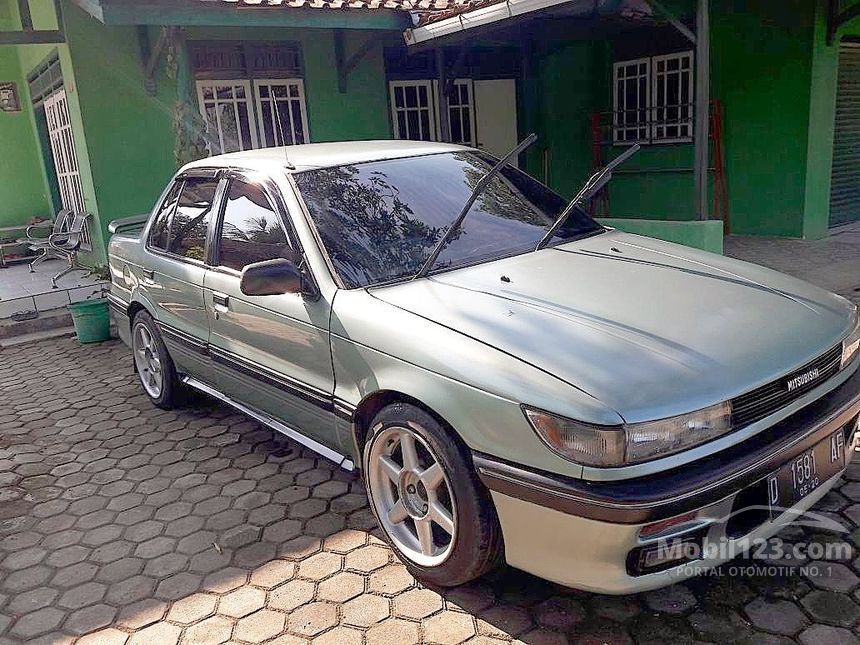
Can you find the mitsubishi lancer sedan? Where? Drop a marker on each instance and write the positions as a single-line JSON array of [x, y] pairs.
[[515, 382]]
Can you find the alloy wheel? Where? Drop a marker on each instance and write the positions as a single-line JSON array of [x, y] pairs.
[[147, 361], [411, 495]]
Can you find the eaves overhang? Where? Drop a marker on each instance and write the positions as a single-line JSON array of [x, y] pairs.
[[465, 17], [372, 14]]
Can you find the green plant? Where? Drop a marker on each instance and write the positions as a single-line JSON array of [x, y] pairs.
[[101, 271]]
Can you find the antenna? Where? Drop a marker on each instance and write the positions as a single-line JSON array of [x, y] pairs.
[[290, 165]]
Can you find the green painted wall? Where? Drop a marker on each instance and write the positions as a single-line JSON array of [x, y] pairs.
[[762, 72], [761, 54], [707, 236], [23, 192], [129, 134], [825, 65], [29, 57], [360, 113]]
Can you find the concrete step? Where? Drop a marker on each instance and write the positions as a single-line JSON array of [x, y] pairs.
[[44, 321], [23, 339]]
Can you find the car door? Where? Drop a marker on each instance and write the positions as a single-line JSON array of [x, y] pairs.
[[271, 353], [175, 265]]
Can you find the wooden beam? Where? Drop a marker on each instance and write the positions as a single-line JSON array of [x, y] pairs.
[[24, 14], [837, 19], [345, 66], [674, 21], [38, 37], [702, 119]]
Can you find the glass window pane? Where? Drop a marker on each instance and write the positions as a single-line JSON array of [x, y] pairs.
[[158, 232], [411, 96], [413, 131], [398, 97], [251, 230], [456, 129], [269, 124], [245, 126], [190, 220], [298, 128]]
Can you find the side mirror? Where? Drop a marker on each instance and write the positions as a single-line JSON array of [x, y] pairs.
[[271, 278]]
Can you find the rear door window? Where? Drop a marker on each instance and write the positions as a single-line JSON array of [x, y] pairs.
[[251, 230], [190, 222], [160, 227]]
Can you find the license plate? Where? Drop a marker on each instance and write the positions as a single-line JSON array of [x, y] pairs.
[[806, 472]]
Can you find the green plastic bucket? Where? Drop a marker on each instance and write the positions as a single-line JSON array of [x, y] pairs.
[[91, 319]]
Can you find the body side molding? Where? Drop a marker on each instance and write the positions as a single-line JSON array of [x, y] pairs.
[[332, 455]]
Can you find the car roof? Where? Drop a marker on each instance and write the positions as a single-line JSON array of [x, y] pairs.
[[310, 156]]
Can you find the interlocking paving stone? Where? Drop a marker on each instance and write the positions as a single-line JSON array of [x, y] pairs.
[[122, 523]]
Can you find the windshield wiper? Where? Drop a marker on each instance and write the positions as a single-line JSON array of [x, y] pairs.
[[476, 192], [597, 181]]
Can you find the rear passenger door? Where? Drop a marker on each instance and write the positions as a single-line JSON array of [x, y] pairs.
[[172, 278], [269, 352]]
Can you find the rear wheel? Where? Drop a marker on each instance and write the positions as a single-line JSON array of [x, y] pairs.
[[152, 362], [427, 498]]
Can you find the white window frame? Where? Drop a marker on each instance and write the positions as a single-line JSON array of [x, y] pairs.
[[620, 128], [218, 134], [653, 128], [277, 127], [432, 108], [469, 84], [65, 156], [683, 104], [432, 86]]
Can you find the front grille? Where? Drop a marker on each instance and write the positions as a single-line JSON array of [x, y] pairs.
[[767, 399]]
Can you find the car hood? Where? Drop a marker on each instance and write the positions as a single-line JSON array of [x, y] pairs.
[[651, 329]]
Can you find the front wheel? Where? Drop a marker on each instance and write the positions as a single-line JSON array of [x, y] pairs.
[[427, 498], [152, 363]]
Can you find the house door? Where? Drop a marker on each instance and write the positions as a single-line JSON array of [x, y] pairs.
[[496, 115], [480, 113], [845, 177], [65, 155]]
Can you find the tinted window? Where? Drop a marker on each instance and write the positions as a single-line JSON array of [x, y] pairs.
[[158, 232], [251, 230], [191, 218], [380, 221]]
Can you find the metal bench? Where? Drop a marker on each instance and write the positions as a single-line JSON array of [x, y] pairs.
[[66, 245], [62, 223]]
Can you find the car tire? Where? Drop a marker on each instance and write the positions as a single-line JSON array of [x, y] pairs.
[[439, 490], [162, 386]]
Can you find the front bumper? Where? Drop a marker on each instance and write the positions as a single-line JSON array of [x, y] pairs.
[[581, 534]]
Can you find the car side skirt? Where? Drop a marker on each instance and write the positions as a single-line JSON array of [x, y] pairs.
[[341, 460]]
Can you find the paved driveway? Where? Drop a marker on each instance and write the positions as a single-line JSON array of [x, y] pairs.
[[123, 523]]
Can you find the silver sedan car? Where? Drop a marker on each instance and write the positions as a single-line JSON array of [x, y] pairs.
[[515, 382]]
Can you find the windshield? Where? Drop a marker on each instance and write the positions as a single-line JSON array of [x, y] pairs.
[[379, 221]]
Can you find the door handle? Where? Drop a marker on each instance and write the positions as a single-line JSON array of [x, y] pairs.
[[149, 275], [220, 299]]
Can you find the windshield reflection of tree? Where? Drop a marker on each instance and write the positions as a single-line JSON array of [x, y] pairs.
[[382, 231]]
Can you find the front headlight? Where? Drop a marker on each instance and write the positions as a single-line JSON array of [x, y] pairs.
[[851, 342], [607, 446]]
